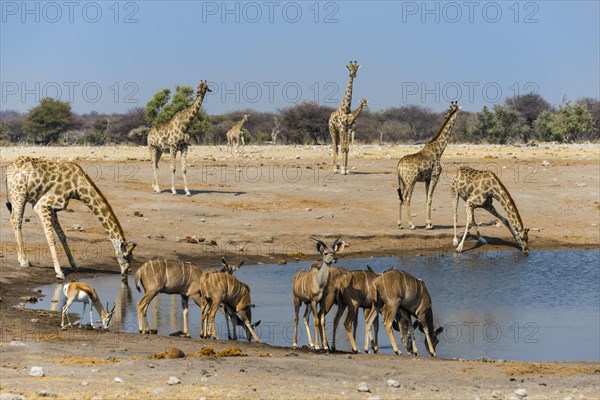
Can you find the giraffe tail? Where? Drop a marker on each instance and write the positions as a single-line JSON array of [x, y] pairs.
[[8, 203]]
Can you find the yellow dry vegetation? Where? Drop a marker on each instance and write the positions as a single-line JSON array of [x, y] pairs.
[[521, 368], [86, 361]]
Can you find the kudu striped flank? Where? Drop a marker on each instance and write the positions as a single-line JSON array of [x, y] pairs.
[[223, 288], [84, 293], [310, 287], [171, 277], [398, 290]]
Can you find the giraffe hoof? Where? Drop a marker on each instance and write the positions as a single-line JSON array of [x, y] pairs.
[[429, 227], [187, 193], [400, 226], [455, 243], [25, 264], [412, 227], [60, 276]]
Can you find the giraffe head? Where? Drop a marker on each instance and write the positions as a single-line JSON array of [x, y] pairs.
[[454, 107], [364, 103], [202, 89], [124, 256], [245, 117], [353, 67]]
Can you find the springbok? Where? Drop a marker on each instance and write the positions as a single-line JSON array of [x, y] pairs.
[[353, 291], [84, 293], [171, 277], [309, 287], [223, 288], [400, 291]]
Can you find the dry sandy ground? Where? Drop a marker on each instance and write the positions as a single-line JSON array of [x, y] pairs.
[[263, 206]]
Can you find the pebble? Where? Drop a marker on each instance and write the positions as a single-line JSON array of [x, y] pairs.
[[521, 393], [308, 209], [319, 217], [374, 398], [393, 383], [496, 394], [150, 365], [36, 372], [173, 381], [202, 220], [78, 227], [84, 383], [545, 163], [35, 320], [362, 387], [118, 380]]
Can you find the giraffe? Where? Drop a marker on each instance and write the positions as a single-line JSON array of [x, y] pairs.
[[48, 186], [424, 166], [353, 116], [338, 122], [478, 189], [171, 137], [235, 134]]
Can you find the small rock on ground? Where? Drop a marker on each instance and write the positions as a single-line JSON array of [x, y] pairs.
[[11, 396], [521, 393], [36, 372], [173, 380], [362, 387], [393, 383]]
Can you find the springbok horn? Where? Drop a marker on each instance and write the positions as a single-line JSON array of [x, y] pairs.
[[113, 307]]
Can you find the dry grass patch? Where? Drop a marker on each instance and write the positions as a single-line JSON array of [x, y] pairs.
[[86, 361], [50, 336], [228, 352], [172, 353], [518, 368]]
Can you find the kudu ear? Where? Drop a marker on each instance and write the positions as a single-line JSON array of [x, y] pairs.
[[416, 325], [257, 323], [395, 326], [224, 262], [369, 268], [321, 247], [439, 330], [339, 245]]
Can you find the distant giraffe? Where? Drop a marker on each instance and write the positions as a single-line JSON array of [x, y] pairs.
[[49, 186], [478, 189], [235, 135], [171, 137], [424, 166], [338, 122], [353, 116]]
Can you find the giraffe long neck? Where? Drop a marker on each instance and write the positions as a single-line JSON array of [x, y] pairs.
[[241, 124], [187, 115], [357, 112], [440, 141], [92, 197], [347, 101], [501, 194]]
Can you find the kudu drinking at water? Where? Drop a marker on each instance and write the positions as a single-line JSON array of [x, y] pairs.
[[173, 277], [400, 291], [310, 287], [223, 288], [355, 290]]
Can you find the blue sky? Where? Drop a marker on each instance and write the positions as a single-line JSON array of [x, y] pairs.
[[266, 55]]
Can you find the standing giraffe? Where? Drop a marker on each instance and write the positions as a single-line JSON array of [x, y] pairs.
[[49, 186], [235, 135], [171, 137], [338, 122], [478, 189], [424, 166], [353, 116]]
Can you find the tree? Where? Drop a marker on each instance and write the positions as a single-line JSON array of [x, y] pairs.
[[544, 126], [530, 106], [508, 124], [573, 120], [48, 120], [13, 121], [484, 123], [593, 106], [307, 120], [421, 121]]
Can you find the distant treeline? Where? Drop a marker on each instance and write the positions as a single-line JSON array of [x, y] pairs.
[[519, 119]]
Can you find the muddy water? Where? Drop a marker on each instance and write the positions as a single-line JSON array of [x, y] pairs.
[[545, 306]]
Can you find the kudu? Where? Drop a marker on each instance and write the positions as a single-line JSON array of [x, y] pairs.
[[354, 290], [171, 277], [400, 291], [310, 287], [84, 293], [223, 288]]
